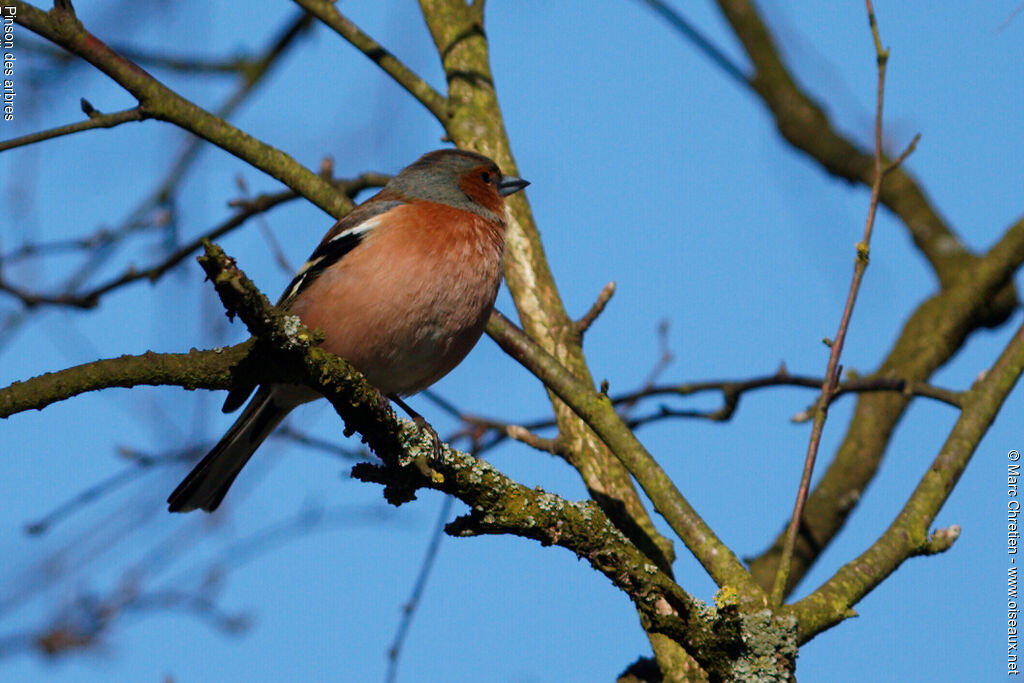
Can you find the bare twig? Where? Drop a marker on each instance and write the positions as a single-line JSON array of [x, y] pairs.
[[732, 390], [491, 431], [603, 297], [832, 372], [95, 120]]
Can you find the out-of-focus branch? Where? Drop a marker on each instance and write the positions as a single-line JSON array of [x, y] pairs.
[[63, 28], [806, 126], [106, 240], [245, 210], [700, 41], [88, 619], [251, 76]]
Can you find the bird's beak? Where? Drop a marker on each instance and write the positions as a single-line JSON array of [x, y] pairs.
[[511, 185]]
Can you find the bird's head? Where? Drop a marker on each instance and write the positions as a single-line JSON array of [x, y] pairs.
[[455, 177]]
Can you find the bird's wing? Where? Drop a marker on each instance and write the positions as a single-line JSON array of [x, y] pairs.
[[345, 236]]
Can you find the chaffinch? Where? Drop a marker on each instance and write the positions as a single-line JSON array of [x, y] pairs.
[[402, 287]]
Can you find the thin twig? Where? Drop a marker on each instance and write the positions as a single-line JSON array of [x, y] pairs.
[[95, 120], [493, 431], [832, 372], [605, 295], [898, 161]]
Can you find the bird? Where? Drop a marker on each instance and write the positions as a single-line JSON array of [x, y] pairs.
[[401, 287]]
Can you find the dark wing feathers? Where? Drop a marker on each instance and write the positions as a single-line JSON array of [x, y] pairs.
[[345, 236]]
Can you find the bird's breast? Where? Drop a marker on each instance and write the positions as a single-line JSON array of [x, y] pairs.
[[408, 304]]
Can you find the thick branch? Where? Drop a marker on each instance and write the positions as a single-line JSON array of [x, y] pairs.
[[502, 506], [599, 414], [192, 370], [499, 505], [475, 122]]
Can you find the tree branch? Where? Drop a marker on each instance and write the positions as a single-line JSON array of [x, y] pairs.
[[192, 370], [499, 505], [95, 120], [475, 122], [603, 297], [328, 13], [597, 412], [502, 506], [828, 387]]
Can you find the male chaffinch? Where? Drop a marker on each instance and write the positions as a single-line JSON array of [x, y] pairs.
[[401, 287]]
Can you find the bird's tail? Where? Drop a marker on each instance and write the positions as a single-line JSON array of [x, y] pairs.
[[205, 486]]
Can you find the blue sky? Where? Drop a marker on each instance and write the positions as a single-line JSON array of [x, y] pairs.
[[649, 167]]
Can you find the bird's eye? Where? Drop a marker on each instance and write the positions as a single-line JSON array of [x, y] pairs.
[[486, 177]]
